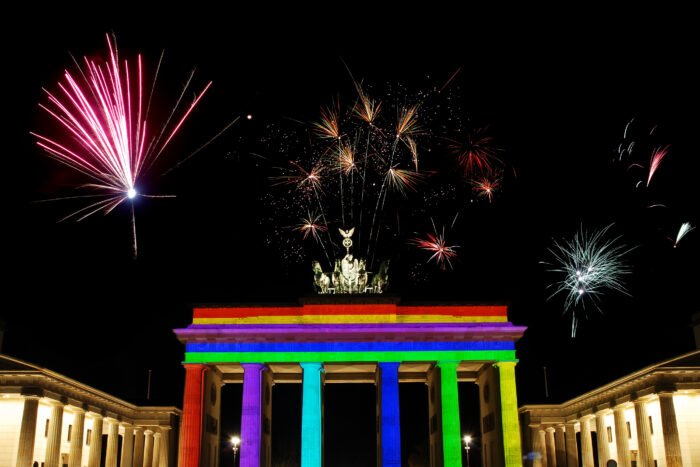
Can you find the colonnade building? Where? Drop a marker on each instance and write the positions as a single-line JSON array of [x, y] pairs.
[[650, 418], [350, 339], [49, 420]]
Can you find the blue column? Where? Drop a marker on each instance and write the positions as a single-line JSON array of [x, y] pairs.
[[390, 432], [311, 417]]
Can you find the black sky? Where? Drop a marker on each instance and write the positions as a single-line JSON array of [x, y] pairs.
[[555, 87]]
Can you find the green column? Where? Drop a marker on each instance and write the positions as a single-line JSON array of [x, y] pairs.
[[509, 414], [311, 416], [451, 435]]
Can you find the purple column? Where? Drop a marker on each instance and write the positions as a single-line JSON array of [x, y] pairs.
[[251, 415]]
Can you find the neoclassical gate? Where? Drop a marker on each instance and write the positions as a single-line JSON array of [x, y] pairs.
[[326, 339]]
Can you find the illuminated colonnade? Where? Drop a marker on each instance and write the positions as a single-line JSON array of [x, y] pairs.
[[349, 339], [46, 418], [648, 418]]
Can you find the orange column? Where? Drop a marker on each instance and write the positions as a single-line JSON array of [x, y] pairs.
[[192, 406]]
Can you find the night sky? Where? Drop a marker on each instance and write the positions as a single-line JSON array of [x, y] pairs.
[[556, 90]]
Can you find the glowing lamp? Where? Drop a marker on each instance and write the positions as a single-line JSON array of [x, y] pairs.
[[235, 440], [131, 193]]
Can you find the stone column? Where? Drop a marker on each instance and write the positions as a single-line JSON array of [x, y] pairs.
[[538, 447], [148, 449], [138, 446], [388, 401], [644, 448], [311, 416], [95, 442], [586, 442], [509, 414], [672, 444], [163, 457], [27, 432], [571, 446], [602, 436], [156, 449], [551, 449], [191, 431], [76, 441], [621, 438], [128, 446], [251, 415], [112, 443], [560, 442], [449, 401], [53, 442]]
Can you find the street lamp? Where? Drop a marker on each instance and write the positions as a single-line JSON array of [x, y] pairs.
[[467, 440], [235, 441]]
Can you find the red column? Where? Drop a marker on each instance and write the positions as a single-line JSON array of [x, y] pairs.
[[192, 406]]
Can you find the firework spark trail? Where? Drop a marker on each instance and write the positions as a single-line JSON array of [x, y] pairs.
[[682, 232], [107, 130], [656, 157], [591, 264], [436, 243]]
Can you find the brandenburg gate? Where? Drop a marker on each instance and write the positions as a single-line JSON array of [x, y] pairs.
[[350, 338], [351, 332]]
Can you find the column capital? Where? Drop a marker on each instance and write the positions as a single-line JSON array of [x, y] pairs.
[[138, 429], [311, 365], [54, 402], [549, 429], [388, 364], [148, 432], [506, 363]]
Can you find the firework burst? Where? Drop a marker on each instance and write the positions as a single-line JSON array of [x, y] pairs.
[[476, 154], [310, 225], [110, 139], [486, 185], [591, 264], [436, 243]]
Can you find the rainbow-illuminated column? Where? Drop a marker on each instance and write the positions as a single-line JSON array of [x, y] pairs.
[[191, 431], [509, 414], [449, 398], [311, 416], [251, 414], [388, 400]]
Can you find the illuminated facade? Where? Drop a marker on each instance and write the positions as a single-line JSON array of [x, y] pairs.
[[350, 339], [49, 420], [648, 418]]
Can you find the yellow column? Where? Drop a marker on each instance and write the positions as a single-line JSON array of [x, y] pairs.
[[551, 448], [621, 437], [571, 446], [602, 436], [27, 432], [672, 443], [509, 414], [53, 443], [560, 443], [646, 455], [586, 442], [76, 442]]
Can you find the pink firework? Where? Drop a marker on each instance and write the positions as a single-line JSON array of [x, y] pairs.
[[657, 156], [435, 243], [109, 137]]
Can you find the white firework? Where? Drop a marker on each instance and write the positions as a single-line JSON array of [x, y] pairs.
[[592, 265]]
